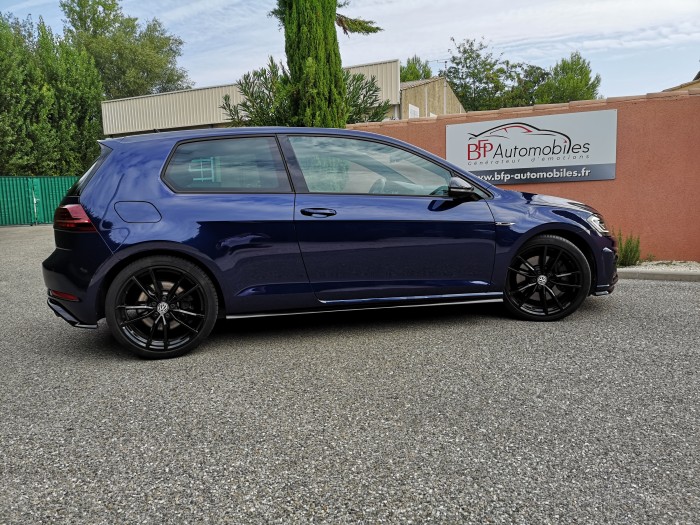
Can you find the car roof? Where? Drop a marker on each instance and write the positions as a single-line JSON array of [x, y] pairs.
[[175, 136]]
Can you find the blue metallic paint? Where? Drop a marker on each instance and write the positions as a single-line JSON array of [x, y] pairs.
[[379, 246], [264, 255]]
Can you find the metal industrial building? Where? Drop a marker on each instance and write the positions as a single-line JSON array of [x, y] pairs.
[[199, 108]]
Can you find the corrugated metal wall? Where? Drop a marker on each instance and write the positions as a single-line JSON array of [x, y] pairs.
[[199, 107], [179, 109], [31, 200], [388, 77]]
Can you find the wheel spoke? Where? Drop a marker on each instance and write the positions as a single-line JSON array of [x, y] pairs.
[[156, 284], [566, 274], [543, 259], [148, 293], [543, 300], [140, 307], [153, 331], [554, 296], [186, 312], [556, 283], [165, 333], [520, 272], [135, 319], [174, 288], [556, 260], [529, 266], [185, 294], [183, 323], [525, 287]]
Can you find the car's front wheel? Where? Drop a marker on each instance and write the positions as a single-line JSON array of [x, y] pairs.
[[548, 279], [161, 306]]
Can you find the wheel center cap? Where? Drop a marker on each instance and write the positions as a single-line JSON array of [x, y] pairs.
[[162, 308], [541, 280]]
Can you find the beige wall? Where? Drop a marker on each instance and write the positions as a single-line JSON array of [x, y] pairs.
[[656, 192], [693, 84], [189, 108], [434, 96], [386, 74]]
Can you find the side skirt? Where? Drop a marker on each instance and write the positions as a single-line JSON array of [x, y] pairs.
[[497, 298]]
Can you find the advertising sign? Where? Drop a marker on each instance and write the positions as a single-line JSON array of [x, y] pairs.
[[551, 148]]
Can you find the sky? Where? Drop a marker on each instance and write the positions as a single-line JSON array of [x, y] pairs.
[[637, 46]]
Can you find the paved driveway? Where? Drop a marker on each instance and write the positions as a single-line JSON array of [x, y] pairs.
[[443, 415]]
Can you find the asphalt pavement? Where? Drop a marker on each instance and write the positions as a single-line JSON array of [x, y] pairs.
[[429, 415]]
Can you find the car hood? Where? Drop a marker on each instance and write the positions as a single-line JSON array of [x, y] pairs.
[[556, 202]]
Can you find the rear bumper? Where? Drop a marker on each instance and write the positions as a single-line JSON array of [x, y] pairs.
[[64, 314], [72, 271]]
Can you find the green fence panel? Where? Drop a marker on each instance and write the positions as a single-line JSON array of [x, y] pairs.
[[51, 191], [31, 200]]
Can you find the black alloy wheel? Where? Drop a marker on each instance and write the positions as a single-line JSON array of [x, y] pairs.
[[548, 279], [161, 306]]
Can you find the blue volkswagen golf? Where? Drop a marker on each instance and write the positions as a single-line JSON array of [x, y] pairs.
[[168, 232]]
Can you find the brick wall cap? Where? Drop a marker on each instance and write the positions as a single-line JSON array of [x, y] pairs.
[[540, 107]]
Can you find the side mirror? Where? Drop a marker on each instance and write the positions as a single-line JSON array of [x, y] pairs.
[[459, 188]]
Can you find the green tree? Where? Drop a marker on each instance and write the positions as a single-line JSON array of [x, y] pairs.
[[482, 80], [267, 98], [15, 104], [478, 78], [77, 92], [49, 102], [317, 90], [415, 69], [133, 59], [346, 23], [364, 99], [525, 81], [569, 79]]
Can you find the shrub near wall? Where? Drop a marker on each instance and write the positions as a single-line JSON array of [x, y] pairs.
[[656, 192]]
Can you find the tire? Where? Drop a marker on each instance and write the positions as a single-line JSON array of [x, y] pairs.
[[547, 280], [161, 306]]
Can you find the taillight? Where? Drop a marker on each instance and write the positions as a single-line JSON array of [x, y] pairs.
[[72, 217], [63, 295]]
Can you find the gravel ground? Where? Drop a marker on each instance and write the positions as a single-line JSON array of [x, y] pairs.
[[443, 415], [671, 266]]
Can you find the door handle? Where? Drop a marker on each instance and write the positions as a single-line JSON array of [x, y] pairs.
[[318, 212]]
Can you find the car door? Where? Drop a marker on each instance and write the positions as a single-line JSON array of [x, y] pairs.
[[375, 223], [234, 203]]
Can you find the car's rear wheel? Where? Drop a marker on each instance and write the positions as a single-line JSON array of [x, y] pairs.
[[548, 279], [161, 306]]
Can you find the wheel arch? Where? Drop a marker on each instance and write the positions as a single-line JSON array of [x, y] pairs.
[[137, 252]]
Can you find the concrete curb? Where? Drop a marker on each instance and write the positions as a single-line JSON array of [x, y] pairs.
[[658, 275]]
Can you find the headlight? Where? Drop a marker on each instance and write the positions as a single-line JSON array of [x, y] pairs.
[[598, 224]]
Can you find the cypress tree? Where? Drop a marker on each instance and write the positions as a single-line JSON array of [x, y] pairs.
[[313, 57]]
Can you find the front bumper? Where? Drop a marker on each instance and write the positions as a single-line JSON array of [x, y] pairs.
[[607, 271]]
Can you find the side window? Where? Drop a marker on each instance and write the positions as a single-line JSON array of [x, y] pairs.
[[348, 165], [231, 165]]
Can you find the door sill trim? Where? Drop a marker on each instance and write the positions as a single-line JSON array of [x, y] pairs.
[[498, 299]]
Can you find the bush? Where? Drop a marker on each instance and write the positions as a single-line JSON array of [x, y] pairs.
[[628, 252]]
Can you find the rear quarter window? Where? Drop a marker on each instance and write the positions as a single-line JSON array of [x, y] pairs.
[[231, 165]]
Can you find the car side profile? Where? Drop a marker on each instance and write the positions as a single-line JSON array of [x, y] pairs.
[[168, 232]]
